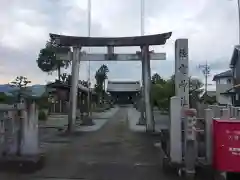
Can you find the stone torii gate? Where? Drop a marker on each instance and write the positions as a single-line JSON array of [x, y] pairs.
[[64, 53]]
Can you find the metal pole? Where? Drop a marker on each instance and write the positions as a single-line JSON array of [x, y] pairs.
[[206, 77], [239, 20], [142, 118], [147, 89], [74, 88], [89, 70], [142, 17]]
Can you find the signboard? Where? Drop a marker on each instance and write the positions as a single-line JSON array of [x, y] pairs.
[[226, 150], [181, 71]]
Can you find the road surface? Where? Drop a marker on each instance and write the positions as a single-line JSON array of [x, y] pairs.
[[111, 153]]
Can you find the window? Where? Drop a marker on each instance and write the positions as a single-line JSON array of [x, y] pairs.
[[229, 81], [237, 97]]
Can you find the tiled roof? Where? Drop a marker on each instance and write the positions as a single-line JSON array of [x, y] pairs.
[[224, 74], [123, 86]]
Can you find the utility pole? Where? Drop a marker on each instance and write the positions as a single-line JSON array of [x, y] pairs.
[[89, 64], [142, 119], [205, 68], [142, 17], [238, 5], [239, 20]]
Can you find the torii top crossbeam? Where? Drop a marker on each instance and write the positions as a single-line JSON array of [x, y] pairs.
[[157, 39]]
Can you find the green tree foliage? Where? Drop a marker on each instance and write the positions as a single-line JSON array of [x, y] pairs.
[[47, 60], [163, 90], [4, 98], [195, 90], [20, 82], [20, 86], [156, 79], [101, 75]]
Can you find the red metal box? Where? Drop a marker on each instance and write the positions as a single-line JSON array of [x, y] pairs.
[[226, 145]]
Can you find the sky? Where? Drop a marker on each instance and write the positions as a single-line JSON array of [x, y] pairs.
[[211, 26]]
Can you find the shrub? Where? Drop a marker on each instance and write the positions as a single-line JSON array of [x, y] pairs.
[[42, 116]]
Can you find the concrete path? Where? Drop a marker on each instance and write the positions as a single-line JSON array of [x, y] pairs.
[[162, 122], [99, 119], [112, 153]]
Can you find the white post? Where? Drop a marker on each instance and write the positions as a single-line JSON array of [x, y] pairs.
[[13, 129], [176, 130], [208, 134], [225, 114], [191, 150], [30, 143], [234, 112], [216, 110]]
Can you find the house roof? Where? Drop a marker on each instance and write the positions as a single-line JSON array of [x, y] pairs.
[[235, 55], [211, 93], [123, 86], [224, 74], [66, 86], [231, 90]]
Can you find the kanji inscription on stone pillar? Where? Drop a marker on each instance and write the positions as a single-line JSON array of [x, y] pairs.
[[181, 71]]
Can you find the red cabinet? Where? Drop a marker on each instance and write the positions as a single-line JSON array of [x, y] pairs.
[[226, 145]]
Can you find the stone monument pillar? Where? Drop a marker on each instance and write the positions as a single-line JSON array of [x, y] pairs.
[[181, 71]]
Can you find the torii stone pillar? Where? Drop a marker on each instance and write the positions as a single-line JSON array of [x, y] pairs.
[[147, 88], [74, 88]]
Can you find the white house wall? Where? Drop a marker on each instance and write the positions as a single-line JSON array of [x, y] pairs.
[[222, 86]]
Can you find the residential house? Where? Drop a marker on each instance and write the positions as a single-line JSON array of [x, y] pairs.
[[235, 66], [224, 82]]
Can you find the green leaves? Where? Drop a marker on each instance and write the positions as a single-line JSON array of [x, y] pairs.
[[163, 90], [47, 60]]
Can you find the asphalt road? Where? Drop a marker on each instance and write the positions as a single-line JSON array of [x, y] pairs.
[[111, 153]]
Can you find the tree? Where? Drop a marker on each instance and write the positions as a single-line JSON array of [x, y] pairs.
[[101, 76], [161, 94], [47, 60], [163, 90], [195, 90], [20, 82], [156, 79]]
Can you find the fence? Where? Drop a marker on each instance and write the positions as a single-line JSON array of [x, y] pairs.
[[19, 129]]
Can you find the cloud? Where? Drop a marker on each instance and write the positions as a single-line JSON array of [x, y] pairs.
[[210, 26]]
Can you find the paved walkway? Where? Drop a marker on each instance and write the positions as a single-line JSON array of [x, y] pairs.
[[111, 153]]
